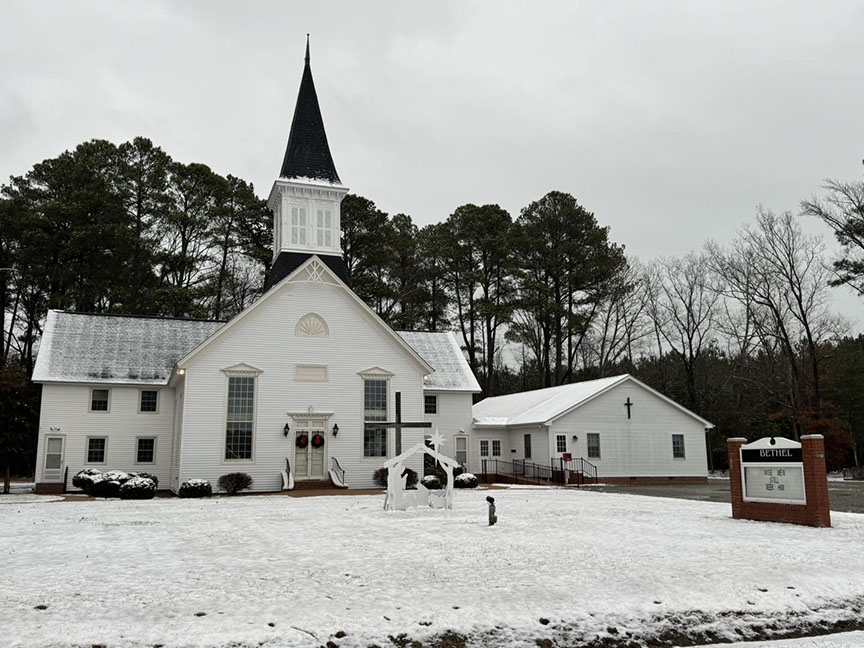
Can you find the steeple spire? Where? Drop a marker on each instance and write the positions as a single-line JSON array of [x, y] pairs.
[[308, 154]]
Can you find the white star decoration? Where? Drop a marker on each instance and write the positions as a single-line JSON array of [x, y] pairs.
[[437, 440]]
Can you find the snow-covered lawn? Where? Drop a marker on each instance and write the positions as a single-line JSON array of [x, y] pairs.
[[568, 565]]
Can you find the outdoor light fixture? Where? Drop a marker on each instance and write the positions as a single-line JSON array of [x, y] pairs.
[[181, 371], [575, 438], [286, 430], [335, 429]]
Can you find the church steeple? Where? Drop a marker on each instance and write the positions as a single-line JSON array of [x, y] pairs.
[[306, 197], [308, 154]]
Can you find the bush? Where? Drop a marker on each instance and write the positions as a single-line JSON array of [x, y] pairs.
[[380, 478], [118, 476], [431, 482], [151, 477], [233, 483], [465, 480], [84, 478], [195, 488], [138, 488], [101, 486], [441, 474]]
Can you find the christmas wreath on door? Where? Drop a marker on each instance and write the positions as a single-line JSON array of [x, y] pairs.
[[302, 440], [317, 440]]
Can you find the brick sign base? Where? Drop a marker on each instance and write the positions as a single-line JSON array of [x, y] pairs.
[[815, 512]]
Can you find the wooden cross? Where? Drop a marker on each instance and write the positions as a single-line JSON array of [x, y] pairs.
[[398, 424], [628, 405]]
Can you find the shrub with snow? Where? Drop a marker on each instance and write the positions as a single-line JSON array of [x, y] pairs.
[[118, 476], [195, 488], [151, 477], [431, 482], [138, 488], [380, 478], [233, 483], [101, 486], [84, 478], [465, 480]]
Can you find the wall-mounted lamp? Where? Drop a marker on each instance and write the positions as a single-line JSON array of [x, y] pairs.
[[181, 371], [335, 429], [286, 430], [575, 438]]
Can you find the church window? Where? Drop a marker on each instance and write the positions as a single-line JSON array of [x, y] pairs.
[[324, 228], [375, 409], [149, 400], [496, 447], [462, 450], [298, 226], [430, 404], [96, 447], [241, 418], [311, 325], [593, 445], [99, 400], [145, 451], [678, 446], [484, 448]]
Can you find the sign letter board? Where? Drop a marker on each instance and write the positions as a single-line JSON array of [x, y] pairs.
[[772, 471]]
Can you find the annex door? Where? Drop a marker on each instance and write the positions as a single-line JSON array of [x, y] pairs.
[[54, 459], [310, 451]]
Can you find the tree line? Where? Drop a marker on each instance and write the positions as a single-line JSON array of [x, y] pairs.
[[741, 334]]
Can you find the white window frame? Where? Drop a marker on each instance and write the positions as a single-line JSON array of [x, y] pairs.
[[683, 448], [107, 409], [321, 227], [247, 372], [558, 439], [527, 446], [298, 224], [493, 444], [434, 398], [45, 468], [155, 442], [588, 436], [488, 443], [456, 450], [384, 376], [140, 395], [104, 461]]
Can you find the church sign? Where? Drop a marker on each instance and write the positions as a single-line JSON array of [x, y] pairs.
[[772, 471]]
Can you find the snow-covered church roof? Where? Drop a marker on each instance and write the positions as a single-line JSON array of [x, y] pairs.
[[441, 350], [545, 405], [122, 349], [83, 347]]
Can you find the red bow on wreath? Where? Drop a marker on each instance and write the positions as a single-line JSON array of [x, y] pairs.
[[302, 440], [317, 441]]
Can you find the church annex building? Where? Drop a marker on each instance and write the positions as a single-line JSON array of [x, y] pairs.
[[300, 378]]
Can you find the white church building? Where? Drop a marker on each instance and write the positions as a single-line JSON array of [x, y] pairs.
[[310, 380], [296, 380]]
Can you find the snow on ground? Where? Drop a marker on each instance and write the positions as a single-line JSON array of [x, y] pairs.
[[26, 497], [591, 565], [840, 640]]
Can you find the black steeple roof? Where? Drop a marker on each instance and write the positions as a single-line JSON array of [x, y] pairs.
[[308, 154]]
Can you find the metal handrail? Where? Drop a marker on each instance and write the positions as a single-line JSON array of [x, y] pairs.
[[334, 462], [555, 473]]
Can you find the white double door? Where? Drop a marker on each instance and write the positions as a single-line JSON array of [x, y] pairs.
[[310, 462]]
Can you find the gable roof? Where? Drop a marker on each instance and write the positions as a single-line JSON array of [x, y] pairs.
[[316, 271], [86, 347], [442, 351], [542, 406], [307, 155]]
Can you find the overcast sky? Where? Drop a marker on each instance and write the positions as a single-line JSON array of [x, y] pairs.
[[671, 121]]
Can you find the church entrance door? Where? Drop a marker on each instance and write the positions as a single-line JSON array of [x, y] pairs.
[[309, 460]]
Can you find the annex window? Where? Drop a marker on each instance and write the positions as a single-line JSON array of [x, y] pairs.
[[593, 445], [99, 400], [96, 447], [324, 228], [462, 450], [149, 400], [496, 447], [374, 409], [678, 446], [298, 226], [527, 441], [561, 443], [54, 453], [145, 450], [430, 404], [241, 418], [484, 448]]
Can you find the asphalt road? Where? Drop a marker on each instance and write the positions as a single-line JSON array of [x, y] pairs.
[[844, 496]]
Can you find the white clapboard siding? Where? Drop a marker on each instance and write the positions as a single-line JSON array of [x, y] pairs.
[[265, 339], [637, 447], [475, 461], [453, 418], [539, 443], [67, 407]]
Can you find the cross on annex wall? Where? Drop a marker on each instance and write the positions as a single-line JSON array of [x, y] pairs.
[[398, 424]]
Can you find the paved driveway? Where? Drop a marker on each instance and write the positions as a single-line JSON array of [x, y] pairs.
[[844, 496]]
